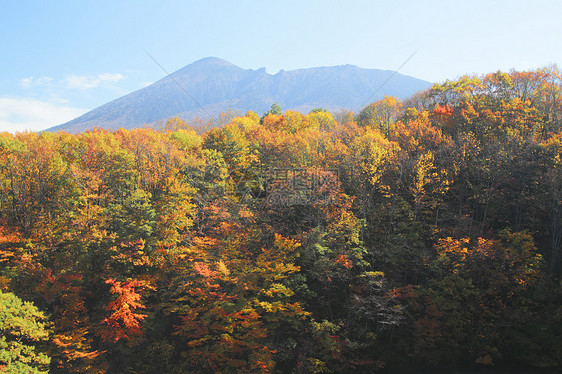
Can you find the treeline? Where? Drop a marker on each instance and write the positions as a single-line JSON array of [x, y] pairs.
[[413, 234]]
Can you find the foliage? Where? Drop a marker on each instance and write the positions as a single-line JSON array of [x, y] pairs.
[[416, 233]]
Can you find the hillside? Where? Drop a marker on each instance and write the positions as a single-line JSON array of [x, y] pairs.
[[218, 85]]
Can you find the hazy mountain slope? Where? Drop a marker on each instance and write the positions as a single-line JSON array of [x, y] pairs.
[[218, 85]]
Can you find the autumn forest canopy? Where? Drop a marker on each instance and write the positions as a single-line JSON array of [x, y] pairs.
[[423, 233]]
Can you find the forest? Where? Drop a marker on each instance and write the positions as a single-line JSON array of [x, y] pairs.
[[423, 233]]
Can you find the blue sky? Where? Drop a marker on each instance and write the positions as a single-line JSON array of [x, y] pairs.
[[60, 59]]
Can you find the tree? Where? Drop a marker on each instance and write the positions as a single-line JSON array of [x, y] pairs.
[[275, 109], [124, 322], [22, 326], [381, 115], [478, 296]]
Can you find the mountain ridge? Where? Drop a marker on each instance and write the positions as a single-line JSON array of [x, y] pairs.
[[218, 85]]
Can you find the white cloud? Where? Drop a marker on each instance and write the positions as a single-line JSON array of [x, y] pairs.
[[26, 82], [111, 77], [72, 81], [18, 114], [35, 82], [91, 81], [81, 81], [45, 105], [55, 99]]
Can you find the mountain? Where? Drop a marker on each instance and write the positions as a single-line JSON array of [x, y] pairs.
[[217, 86]]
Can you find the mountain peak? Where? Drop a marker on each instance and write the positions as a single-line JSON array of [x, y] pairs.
[[211, 61], [207, 65]]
